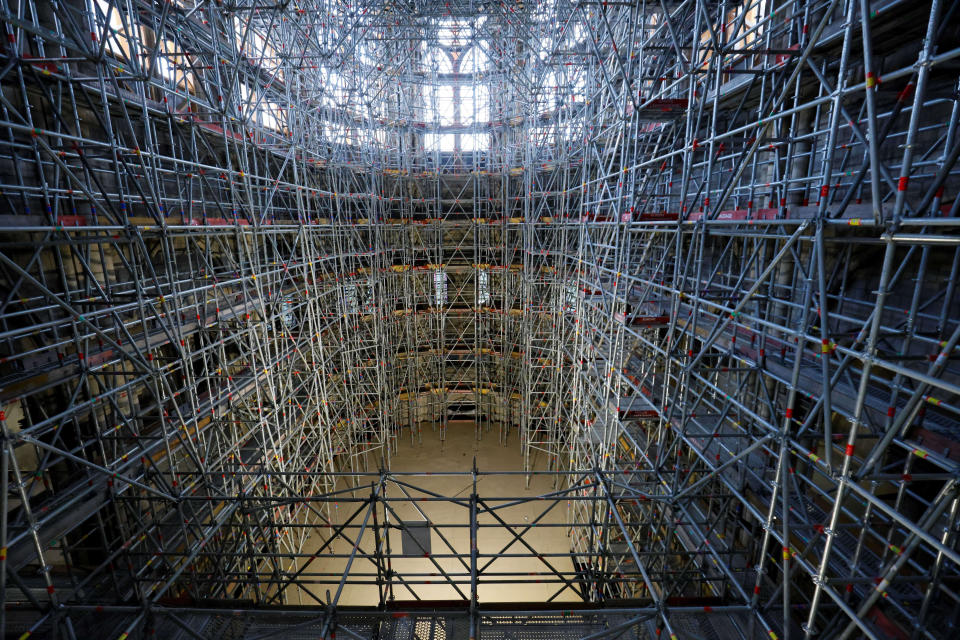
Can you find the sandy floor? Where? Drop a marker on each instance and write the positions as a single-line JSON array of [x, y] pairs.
[[421, 577]]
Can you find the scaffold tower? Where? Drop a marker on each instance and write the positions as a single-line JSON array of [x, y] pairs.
[[695, 262]]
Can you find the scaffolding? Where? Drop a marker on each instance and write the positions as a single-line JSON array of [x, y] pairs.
[[696, 260]]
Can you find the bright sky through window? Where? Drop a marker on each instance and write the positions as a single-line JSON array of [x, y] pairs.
[[459, 96]]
